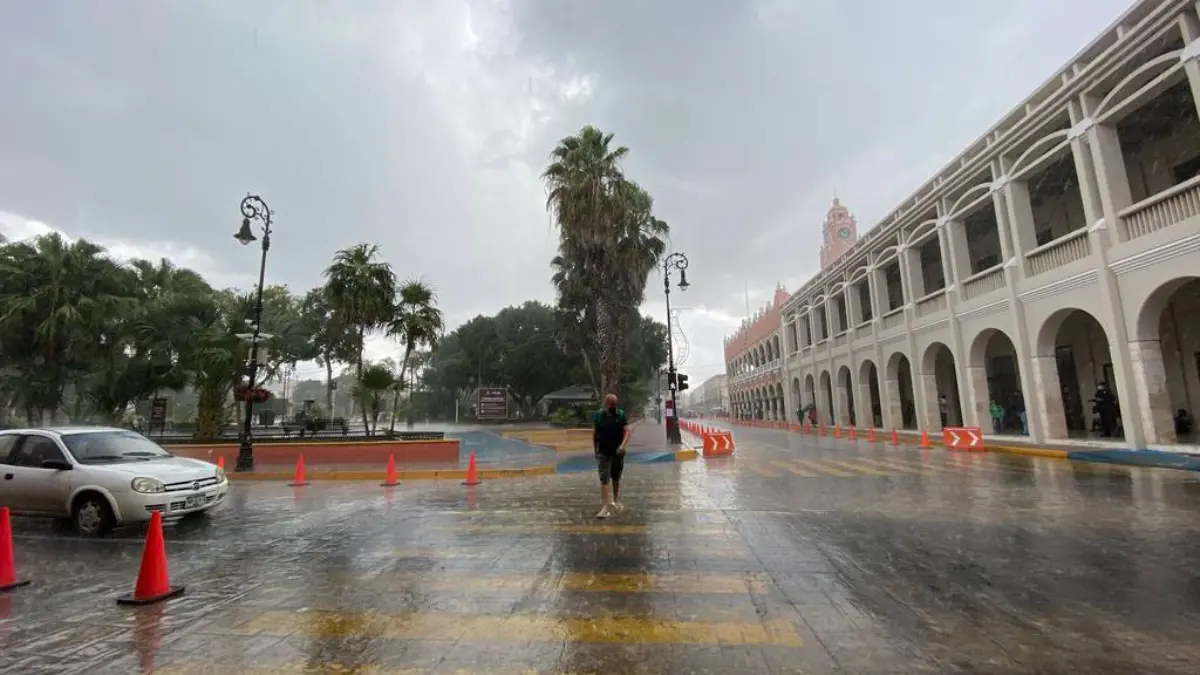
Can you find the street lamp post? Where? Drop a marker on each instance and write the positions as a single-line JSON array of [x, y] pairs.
[[675, 261], [253, 208]]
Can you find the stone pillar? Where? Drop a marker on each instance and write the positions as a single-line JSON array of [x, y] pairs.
[[1045, 401], [929, 414], [980, 397], [863, 408], [1020, 219], [825, 409], [843, 406], [893, 413], [1153, 400]]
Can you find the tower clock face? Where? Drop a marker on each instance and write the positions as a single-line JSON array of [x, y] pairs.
[[844, 233]]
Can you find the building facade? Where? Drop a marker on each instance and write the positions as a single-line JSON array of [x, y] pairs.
[[711, 396], [753, 361], [1059, 252]]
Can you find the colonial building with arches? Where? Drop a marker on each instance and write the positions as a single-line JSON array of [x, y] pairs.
[[753, 364], [1058, 252]]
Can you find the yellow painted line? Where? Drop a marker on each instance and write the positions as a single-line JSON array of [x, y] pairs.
[[691, 584], [845, 464], [1033, 452], [763, 470], [886, 467], [823, 468], [412, 474], [786, 466], [598, 529], [467, 629]]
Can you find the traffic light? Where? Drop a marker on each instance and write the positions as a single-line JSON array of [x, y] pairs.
[[680, 382]]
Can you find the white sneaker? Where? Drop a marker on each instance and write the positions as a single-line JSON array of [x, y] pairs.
[[619, 507], [605, 512]]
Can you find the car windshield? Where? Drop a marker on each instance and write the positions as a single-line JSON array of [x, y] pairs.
[[112, 446]]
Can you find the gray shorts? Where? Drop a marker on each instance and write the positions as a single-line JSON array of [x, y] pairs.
[[610, 466]]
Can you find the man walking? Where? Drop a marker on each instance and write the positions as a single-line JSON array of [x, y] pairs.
[[610, 435]]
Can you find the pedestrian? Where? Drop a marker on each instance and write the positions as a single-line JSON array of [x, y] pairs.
[[609, 438], [1018, 406], [944, 409], [1106, 407], [997, 418]]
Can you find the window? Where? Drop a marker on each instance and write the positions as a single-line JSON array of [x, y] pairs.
[[7, 443], [113, 446], [35, 450]]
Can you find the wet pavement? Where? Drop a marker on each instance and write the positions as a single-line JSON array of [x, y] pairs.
[[799, 555]]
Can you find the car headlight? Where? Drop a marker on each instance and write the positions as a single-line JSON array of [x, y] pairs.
[[220, 475], [147, 485]]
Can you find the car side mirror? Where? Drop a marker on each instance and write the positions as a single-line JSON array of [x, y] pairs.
[[57, 465]]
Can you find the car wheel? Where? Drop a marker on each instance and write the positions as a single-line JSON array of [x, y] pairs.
[[93, 516]]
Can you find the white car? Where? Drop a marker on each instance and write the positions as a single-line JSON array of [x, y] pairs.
[[100, 477]]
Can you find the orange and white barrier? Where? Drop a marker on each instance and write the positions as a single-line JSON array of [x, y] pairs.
[[717, 443]]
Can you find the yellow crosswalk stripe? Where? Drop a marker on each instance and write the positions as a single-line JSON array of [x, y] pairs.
[[788, 466], [518, 628], [870, 471], [888, 467], [764, 470], [523, 583], [824, 468]]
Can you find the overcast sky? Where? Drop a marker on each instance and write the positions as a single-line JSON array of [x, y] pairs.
[[423, 125]]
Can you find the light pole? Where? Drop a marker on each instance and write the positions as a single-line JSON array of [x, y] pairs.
[[675, 261], [253, 208]]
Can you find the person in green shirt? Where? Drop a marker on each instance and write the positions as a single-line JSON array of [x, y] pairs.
[[997, 417], [610, 435]]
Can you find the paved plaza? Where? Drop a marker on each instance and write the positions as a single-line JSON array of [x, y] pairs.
[[799, 555]]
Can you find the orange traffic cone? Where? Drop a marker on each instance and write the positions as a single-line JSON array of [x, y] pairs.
[[837, 431], [850, 433], [299, 480], [391, 473], [871, 435], [153, 584], [925, 439], [221, 462], [8, 563], [895, 437], [472, 472]]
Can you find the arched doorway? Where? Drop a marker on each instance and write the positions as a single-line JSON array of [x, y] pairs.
[[902, 404], [825, 407], [868, 388], [1073, 360], [845, 398], [810, 394], [797, 400], [781, 413], [1168, 350], [994, 374], [940, 379]]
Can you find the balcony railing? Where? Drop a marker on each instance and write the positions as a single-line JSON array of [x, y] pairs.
[[1058, 253], [892, 319], [839, 340], [978, 285], [1161, 210], [932, 303]]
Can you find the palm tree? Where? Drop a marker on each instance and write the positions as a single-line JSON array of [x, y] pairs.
[[361, 289], [376, 380], [57, 298], [609, 239], [333, 342], [417, 323]]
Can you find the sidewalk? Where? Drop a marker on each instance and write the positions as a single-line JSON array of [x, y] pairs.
[[1017, 445]]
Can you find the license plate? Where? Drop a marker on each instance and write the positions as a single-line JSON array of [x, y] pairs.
[[193, 501]]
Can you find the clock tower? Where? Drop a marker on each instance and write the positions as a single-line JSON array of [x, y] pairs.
[[840, 233]]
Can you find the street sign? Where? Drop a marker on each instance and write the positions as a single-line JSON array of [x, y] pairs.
[[963, 438], [718, 443], [491, 403], [158, 411]]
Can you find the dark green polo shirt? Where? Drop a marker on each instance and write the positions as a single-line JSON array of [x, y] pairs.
[[609, 430]]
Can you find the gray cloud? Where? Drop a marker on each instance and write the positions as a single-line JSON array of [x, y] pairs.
[[423, 126]]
